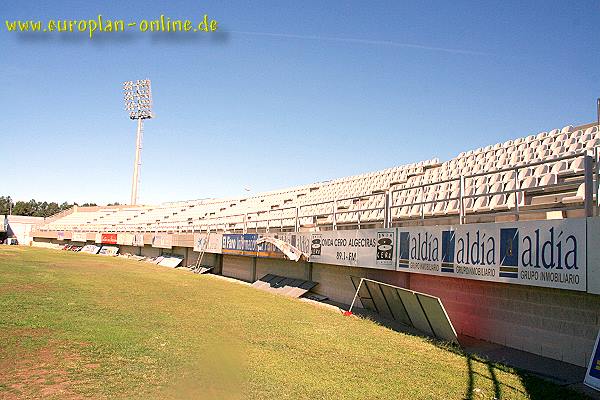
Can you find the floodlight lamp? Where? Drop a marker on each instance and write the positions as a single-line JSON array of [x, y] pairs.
[[138, 98]]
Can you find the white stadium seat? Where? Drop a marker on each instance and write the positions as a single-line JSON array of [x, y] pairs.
[[557, 155]]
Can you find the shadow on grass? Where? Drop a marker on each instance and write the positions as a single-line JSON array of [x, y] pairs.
[[534, 386], [471, 392]]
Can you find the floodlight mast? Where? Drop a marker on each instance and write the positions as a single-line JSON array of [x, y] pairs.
[[138, 101]]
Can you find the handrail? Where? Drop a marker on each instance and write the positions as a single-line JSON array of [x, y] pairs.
[[517, 190]]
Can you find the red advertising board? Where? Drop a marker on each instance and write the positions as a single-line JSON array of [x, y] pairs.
[[109, 238]]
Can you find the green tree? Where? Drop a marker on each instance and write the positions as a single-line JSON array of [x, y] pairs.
[[35, 208], [25, 208], [53, 208], [6, 205], [41, 209]]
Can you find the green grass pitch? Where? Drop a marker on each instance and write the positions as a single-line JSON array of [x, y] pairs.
[[78, 326]]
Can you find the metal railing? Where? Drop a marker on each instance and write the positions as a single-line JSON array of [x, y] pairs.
[[590, 175]]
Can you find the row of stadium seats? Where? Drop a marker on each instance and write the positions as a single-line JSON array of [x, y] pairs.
[[531, 174]]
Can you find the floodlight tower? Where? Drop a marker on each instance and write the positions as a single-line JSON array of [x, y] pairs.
[[138, 102]]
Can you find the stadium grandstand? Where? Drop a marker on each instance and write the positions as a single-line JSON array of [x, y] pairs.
[[505, 236], [532, 177]]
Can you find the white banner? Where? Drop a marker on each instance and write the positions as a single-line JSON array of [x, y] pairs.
[[367, 248], [79, 237], [60, 235], [98, 237], [122, 238], [540, 253], [420, 249], [138, 240], [214, 244], [162, 240]]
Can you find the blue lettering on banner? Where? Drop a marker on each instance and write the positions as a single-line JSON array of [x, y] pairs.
[[403, 249], [509, 253], [448, 251], [476, 248], [540, 253], [240, 242], [424, 247], [558, 251], [246, 243]]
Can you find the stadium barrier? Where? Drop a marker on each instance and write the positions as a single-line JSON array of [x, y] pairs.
[[524, 306], [550, 253]]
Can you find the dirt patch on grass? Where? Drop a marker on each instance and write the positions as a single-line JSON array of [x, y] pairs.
[[26, 332], [21, 287], [41, 374]]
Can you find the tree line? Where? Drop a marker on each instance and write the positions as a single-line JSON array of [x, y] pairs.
[[33, 208]]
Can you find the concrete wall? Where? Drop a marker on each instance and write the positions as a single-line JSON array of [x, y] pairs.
[[47, 240], [291, 269], [239, 267], [334, 281], [211, 259], [149, 251], [555, 323], [135, 250]]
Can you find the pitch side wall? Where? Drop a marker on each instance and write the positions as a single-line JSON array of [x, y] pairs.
[[556, 323]]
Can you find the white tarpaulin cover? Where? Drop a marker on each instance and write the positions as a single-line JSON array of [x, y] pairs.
[[170, 262], [90, 248], [290, 251]]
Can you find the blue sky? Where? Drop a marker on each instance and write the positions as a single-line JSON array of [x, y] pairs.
[[287, 93]]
